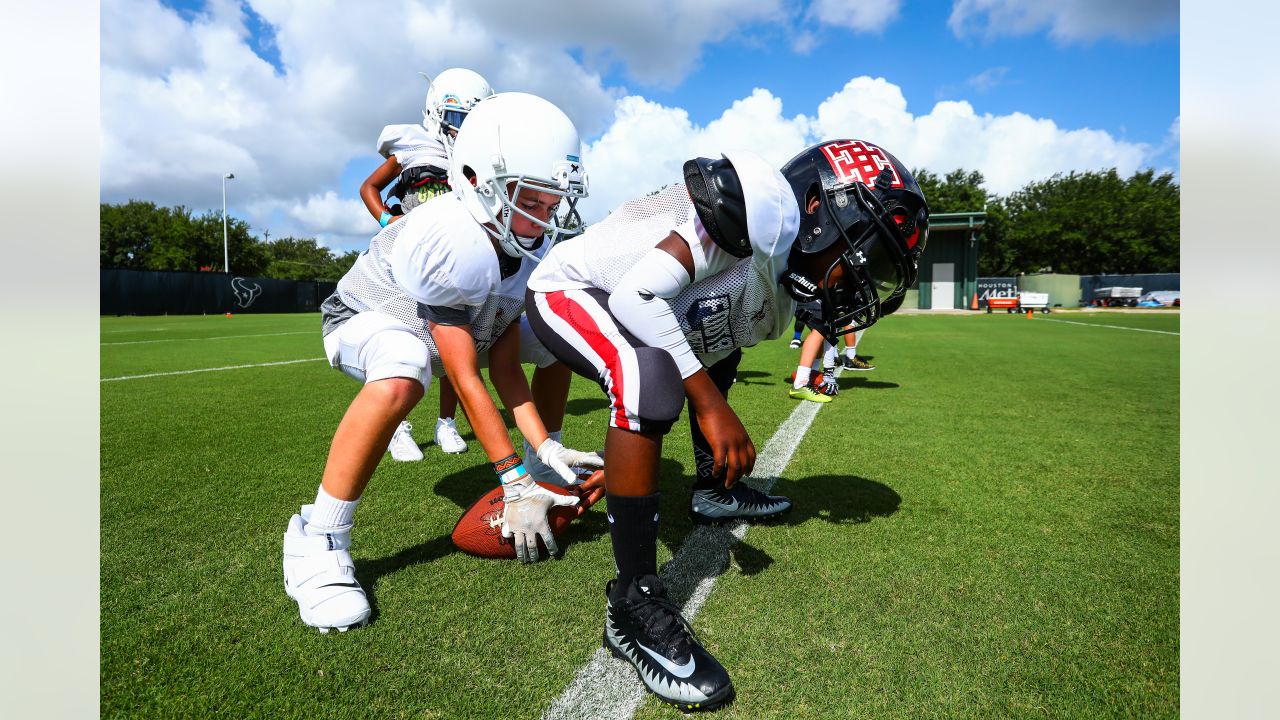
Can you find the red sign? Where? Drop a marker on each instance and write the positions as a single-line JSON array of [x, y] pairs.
[[857, 161]]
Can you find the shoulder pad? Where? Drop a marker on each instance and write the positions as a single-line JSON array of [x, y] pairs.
[[716, 193]]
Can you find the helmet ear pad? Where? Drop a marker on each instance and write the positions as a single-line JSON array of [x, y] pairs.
[[716, 193]]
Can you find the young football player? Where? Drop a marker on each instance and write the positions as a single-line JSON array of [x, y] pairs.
[[416, 168], [655, 302], [441, 292]]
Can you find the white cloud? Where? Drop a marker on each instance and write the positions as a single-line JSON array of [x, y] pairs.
[[988, 79], [1068, 21], [647, 143], [185, 99], [859, 15], [1010, 150]]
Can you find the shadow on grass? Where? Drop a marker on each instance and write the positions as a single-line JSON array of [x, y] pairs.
[[585, 406], [837, 499], [369, 572], [862, 382], [706, 552], [751, 377]]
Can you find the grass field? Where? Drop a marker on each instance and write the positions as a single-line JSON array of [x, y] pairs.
[[985, 526]]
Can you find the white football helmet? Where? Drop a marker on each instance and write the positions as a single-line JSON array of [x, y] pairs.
[[450, 96], [512, 142]]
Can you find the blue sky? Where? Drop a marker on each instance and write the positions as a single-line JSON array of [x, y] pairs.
[[277, 92]]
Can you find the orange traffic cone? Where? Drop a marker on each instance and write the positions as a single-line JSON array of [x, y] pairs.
[[974, 305], [1030, 314]]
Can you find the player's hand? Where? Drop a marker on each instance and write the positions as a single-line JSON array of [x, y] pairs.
[[733, 453], [589, 490], [524, 516], [561, 459]]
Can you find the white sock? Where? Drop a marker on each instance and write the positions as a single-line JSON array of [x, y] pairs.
[[802, 377], [851, 351], [829, 355], [330, 513]]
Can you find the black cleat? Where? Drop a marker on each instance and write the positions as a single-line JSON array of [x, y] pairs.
[[715, 506], [856, 363], [647, 630]]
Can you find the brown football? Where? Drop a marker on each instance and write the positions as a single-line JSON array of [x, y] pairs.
[[479, 530]]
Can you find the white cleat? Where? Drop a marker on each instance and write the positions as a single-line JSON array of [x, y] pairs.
[[447, 437], [320, 576], [403, 447]]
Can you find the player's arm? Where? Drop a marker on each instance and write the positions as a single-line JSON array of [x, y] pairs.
[[458, 353], [640, 303], [372, 187]]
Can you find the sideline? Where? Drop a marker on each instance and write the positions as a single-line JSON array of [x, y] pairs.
[[203, 370], [1113, 327], [218, 337], [608, 688]]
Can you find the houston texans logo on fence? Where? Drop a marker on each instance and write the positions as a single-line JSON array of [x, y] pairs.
[[245, 292]]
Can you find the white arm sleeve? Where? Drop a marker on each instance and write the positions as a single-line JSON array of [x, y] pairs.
[[639, 302]]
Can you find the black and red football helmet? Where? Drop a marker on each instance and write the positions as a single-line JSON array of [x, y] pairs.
[[865, 199]]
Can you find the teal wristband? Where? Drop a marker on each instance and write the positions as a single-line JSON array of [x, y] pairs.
[[514, 473], [385, 218]]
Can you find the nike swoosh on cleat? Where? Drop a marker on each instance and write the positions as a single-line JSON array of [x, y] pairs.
[[350, 584], [680, 671]]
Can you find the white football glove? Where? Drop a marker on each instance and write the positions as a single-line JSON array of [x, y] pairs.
[[561, 459], [524, 516]]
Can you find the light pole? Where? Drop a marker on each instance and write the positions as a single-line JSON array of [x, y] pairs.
[[226, 256]]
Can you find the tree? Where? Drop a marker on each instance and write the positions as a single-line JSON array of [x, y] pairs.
[[1095, 222]]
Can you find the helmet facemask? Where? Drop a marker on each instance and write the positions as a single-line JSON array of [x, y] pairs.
[[874, 262], [564, 223]]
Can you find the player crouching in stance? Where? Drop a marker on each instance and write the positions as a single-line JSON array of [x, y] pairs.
[[655, 303], [442, 290]]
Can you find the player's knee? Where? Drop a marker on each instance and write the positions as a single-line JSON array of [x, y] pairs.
[[398, 393], [661, 391]]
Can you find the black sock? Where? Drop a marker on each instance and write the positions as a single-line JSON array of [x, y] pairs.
[[633, 527]]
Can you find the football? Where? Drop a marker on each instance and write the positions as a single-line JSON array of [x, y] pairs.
[[479, 530]]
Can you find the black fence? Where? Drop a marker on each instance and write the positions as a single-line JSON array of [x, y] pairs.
[[154, 292]]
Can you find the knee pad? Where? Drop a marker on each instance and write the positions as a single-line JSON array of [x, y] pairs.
[[661, 390]]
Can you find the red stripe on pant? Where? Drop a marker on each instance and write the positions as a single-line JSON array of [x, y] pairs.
[[589, 331]]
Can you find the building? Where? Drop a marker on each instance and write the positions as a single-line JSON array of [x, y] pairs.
[[949, 266]]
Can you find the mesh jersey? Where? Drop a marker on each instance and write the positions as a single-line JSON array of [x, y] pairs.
[[412, 146], [734, 306], [369, 285]]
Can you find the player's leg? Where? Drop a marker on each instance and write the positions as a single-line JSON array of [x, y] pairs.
[[318, 570], [851, 361], [712, 503], [801, 387], [645, 395], [447, 436], [795, 338]]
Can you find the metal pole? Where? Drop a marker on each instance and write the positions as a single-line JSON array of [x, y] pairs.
[[226, 256]]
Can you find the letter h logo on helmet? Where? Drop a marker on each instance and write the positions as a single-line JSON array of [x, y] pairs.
[[857, 161]]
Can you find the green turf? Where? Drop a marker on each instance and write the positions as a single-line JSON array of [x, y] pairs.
[[986, 526]]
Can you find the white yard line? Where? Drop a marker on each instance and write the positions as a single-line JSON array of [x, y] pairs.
[[218, 337], [607, 688], [1113, 327], [204, 370]]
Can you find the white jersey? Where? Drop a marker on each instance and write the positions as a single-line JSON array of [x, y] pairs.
[[439, 258], [731, 302], [412, 146]]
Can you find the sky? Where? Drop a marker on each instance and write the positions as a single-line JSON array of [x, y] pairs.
[[291, 96]]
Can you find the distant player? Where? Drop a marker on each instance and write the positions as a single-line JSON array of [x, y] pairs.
[[416, 168], [655, 302], [441, 292]]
